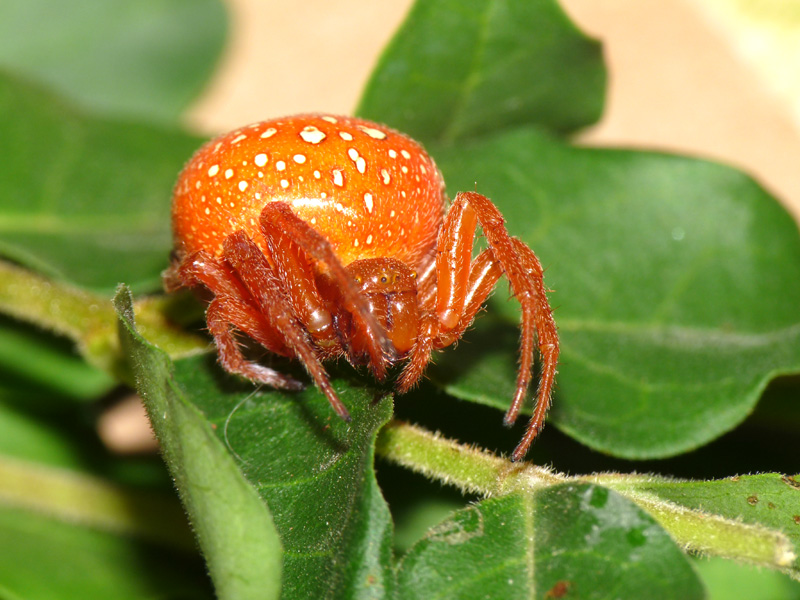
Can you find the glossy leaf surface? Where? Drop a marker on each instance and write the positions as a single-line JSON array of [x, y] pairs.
[[676, 285], [460, 69]]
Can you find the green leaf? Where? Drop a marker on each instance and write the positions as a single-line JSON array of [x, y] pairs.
[[570, 540], [233, 525], [710, 528], [84, 199], [676, 281], [725, 579], [461, 68], [34, 357], [768, 500], [147, 59], [43, 558], [313, 470]]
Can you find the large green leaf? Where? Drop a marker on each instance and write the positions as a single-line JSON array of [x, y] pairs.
[[148, 59], [676, 281], [461, 68], [572, 540], [315, 472], [85, 199], [312, 469]]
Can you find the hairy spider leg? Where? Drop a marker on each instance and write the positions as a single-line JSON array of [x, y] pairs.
[[278, 216], [547, 334], [259, 278], [525, 277], [234, 306], [483, 275], [295, 270]]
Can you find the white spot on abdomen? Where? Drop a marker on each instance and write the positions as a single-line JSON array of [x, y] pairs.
[[375, 134], [312, 135]]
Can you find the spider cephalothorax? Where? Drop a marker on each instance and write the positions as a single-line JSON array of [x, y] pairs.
[[323, 236]]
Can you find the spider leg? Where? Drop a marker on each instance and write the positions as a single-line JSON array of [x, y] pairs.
[[483, 275], [426, 281], [232, 304], [220, 316], [278, 216], [526, 279], [420, 355], [259, 278], [548, 347], [294, 268]]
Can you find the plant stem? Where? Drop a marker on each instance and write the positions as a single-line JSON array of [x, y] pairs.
[[87, 318], [473, 470], [79, 498]]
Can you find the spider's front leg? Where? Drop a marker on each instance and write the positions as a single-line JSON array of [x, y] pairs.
[[270, 295], [463, 286], [278, 221], [232, 307]]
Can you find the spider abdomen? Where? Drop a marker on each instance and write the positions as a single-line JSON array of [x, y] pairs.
[[369, 190]]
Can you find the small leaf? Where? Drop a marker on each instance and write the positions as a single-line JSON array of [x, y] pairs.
[[460, 69], [86, 200], [234, 527], [147, 59], [676, 281], [570, 540]]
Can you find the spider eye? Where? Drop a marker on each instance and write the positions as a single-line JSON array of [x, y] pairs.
[[384, 279]]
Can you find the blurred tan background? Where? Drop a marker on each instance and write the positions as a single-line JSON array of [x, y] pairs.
[[713, 78]]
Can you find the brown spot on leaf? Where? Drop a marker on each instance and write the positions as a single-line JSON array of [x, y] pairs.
[[559, 590]]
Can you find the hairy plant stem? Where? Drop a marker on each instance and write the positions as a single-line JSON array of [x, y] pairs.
[[89, 319], [477, 471]]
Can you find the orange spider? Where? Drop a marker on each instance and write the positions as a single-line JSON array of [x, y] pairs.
[[324, 236]]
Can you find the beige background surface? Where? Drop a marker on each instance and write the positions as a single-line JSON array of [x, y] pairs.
[[686, 76]]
